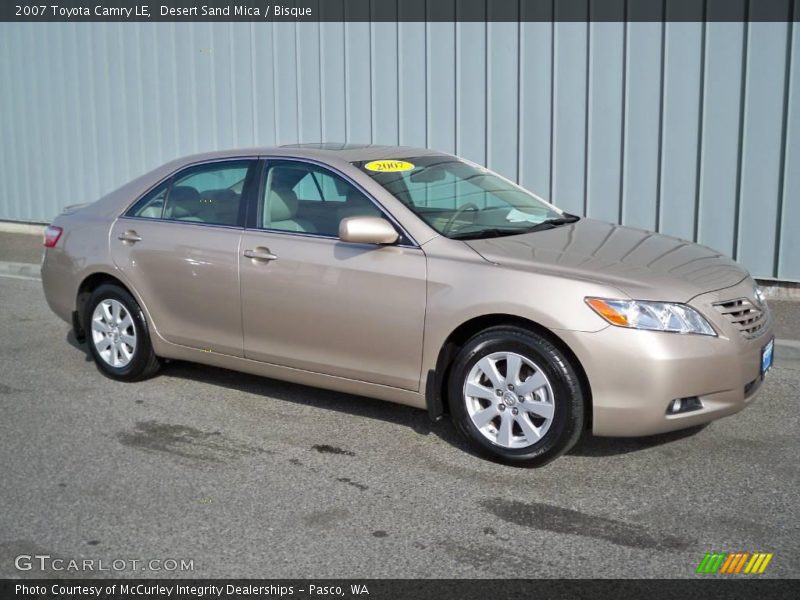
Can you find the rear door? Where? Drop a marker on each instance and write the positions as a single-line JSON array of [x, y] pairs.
[[179, 248], [313, 302]]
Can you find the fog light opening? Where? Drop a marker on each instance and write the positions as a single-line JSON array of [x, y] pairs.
[[684, 405]]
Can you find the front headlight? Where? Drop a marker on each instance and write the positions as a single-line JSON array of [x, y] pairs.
[[653, 316], [761, 298]]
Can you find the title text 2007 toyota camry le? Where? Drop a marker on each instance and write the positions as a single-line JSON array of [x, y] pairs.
[[415, 277]]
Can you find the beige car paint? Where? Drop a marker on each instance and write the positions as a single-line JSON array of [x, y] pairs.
[[187, 284], [367, 230], [350, 310], [329, 322], [643, 264]]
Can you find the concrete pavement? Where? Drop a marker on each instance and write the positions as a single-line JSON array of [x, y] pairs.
[[20, 247]]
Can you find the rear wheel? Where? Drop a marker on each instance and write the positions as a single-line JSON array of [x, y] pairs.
[[516, 396], [117, 335]]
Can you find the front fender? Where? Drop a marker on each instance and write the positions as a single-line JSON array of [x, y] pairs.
[[462, 286]]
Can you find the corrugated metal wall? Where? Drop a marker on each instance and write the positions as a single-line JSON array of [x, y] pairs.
[[692, 129]]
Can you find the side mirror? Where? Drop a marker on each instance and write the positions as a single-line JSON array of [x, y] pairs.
[[367, 230]]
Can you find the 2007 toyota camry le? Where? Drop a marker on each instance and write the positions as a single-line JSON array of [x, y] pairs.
[[416, 277]]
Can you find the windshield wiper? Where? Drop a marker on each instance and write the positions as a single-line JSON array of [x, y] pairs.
[[485, 233], [552, 223], [497, 232]]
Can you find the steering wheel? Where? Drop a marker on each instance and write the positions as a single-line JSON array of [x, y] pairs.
[[451, 221]]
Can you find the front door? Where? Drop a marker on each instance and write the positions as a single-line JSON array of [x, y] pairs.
[[313, 302]]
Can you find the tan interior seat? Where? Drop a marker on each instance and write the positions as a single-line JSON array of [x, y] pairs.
[[282, 211]]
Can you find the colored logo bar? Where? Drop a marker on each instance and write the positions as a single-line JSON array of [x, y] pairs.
[[734, 563]]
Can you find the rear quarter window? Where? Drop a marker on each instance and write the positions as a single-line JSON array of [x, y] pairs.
[[151, 205]]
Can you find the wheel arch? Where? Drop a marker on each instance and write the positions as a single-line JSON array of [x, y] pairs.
[[436, 392], [87, 286]]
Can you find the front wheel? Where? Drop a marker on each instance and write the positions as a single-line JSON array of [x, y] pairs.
[[117, 335], [516, 396]]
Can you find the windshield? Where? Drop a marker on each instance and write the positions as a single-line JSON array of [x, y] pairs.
[[462, 200]]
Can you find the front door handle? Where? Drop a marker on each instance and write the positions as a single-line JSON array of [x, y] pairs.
[[260, 254], [129, 237]]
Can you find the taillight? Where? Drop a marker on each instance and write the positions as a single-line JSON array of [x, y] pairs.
[[51, 236]]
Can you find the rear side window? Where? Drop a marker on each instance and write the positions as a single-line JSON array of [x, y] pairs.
[[209, 193]]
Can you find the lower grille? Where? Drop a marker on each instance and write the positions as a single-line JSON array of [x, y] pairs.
[[747, 318]]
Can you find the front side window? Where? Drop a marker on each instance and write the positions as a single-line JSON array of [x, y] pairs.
[[462, 200], [304, 198]]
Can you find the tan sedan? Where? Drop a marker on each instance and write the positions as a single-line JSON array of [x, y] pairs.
[[415, 277]]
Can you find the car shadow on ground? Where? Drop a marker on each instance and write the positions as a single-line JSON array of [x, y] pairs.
[[593, 446], [73, 341], [372, 408], [359, 406]]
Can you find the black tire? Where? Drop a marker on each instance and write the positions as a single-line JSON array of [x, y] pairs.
[[568, 398], [143, 363]]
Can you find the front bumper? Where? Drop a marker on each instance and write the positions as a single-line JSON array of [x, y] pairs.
[[634, 375]]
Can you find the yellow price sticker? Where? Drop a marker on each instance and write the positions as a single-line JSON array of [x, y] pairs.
[[388, 166]]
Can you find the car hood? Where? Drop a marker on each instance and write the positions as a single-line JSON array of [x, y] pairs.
[[642, 264]]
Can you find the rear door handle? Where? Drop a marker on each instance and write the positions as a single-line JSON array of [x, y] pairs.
[[130, 237], [260, 254]]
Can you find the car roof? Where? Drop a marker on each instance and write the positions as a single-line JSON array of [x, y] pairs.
[[335, 154], [357, 152], [321, 151]]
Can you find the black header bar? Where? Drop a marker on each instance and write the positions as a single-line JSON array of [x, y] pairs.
[[399, 10]]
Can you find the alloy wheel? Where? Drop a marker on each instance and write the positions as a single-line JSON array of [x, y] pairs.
[[113, 333], [509, 400]]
